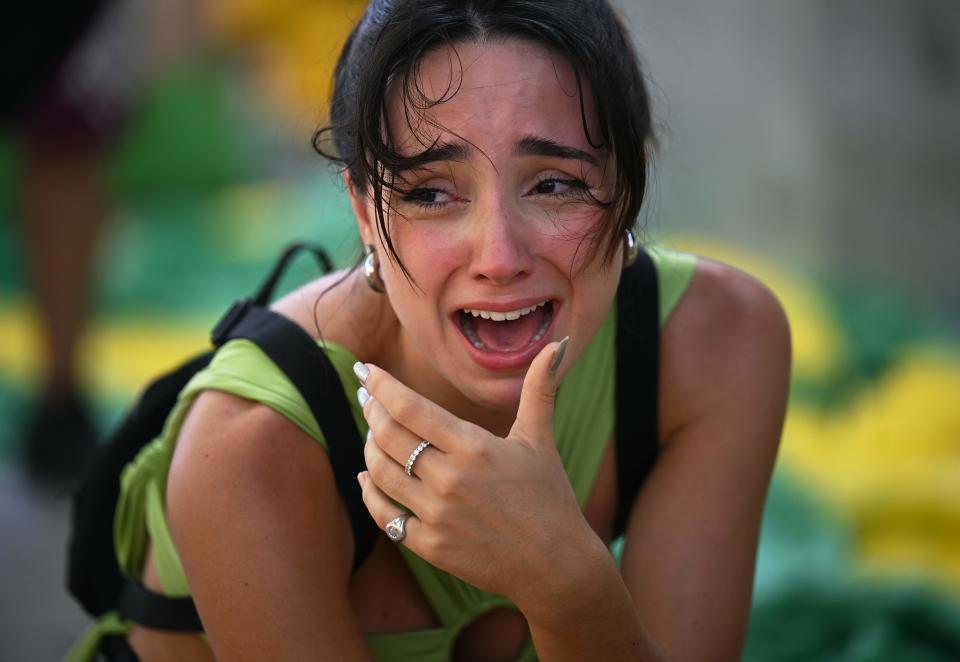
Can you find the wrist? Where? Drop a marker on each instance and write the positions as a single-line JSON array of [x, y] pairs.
[[583, 610], [577, 572]]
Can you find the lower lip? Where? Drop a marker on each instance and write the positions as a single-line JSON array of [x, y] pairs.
[[502, 361]]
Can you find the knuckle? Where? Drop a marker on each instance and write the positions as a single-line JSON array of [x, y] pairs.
[[430, 543], [475, 454], [376, 465], [391, 428], [428, 513], [383, 425], [405, 409], [369, 452], [451, 427], [447, 483], [374, 413], [388, 483], [545, 396], [441, 513]]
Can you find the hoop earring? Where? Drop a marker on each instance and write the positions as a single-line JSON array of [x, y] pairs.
[[371, 269], [631, 249]]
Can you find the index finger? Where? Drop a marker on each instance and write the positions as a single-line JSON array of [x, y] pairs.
[[423, 417]]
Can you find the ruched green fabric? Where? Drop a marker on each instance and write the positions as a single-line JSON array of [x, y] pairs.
[[583, 425]]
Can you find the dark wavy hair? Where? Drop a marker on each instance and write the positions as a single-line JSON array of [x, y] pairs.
[[386, 47]]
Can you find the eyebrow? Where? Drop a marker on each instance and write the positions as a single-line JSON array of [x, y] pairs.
[[439, 152], [533, 146], [527, 146]]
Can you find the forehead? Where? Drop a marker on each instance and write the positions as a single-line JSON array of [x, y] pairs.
[[490, 95]]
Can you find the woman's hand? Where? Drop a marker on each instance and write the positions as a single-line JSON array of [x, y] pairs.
[[496, 512]]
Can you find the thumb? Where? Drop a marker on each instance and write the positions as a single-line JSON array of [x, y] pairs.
[[535, 414]]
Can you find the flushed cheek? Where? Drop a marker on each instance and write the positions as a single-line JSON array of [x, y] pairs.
[[571, 257], [567, 234], [431, 258], [429, 253]]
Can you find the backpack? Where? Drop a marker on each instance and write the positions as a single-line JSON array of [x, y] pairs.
[[94, 577]]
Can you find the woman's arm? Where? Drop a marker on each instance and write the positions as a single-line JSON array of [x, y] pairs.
[[692, 536], [262, 534]]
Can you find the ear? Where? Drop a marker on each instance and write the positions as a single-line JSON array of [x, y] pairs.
[[362, 211]]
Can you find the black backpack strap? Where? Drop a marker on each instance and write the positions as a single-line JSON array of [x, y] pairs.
[[265, 292], [307, 366], [155, 610], [637, 375], [115, 648]]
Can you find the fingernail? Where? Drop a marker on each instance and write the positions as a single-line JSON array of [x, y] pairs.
[[369, 435], [362, 396], [361, 371], [558, 355]]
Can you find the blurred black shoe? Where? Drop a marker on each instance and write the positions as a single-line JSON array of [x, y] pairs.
[[60, 438]]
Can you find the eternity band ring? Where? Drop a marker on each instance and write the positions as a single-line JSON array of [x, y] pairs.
[[422, 446], [397, 528]]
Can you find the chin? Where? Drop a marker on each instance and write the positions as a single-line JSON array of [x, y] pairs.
[[497, 394]]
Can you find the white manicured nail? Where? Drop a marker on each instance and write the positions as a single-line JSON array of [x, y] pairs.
[[362, 396], [361, 371]]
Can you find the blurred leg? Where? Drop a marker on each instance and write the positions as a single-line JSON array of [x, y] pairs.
[[63, 205], [63, 208]]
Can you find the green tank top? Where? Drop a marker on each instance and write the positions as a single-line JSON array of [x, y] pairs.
[[241, 368]]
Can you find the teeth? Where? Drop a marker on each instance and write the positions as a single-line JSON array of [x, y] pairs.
[[501, 317], [468, 315]]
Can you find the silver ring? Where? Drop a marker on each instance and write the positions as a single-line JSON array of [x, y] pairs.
[[397, 528], [422, 446]]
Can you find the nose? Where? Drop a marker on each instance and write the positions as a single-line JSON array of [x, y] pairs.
[[501, 248]]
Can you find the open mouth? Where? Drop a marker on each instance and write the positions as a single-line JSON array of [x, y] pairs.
[[507, 331]]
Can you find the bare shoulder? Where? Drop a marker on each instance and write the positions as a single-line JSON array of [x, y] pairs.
[[725, 347], [225, 433], [241, 457], [254, 512]]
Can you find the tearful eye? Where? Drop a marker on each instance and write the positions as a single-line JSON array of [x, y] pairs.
[[431, 198], [422, 195], [560, 187]]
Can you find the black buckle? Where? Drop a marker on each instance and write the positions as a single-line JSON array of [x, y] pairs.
[[237, 312]]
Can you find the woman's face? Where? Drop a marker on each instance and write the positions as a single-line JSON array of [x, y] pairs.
[[495, 228]]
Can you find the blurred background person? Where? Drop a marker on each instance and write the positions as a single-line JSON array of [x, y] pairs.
[[75, 82]]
